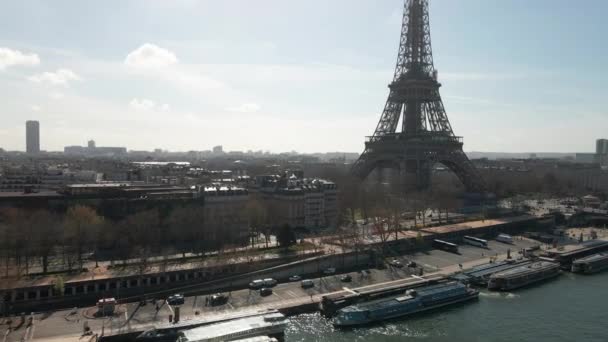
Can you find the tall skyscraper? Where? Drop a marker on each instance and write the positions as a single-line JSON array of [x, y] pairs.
[[32, 136], [91, 144], [601, 146]]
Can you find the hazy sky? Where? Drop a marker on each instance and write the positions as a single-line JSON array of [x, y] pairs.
[[280, 75]]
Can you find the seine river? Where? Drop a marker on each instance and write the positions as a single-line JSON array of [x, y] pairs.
[[569, 308]]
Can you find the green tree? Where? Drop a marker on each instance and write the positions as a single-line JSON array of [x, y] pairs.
[[59, 285]]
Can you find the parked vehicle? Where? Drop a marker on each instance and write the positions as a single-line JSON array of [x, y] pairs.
[[270, 282], [475, 241], [346, 278], [329, 271], [176, 299], [412, 264], [218, 299], [504, 238], [106, 306], [446, 246], [265, 291], [295, 278], [395, 263], [307, 283], [256, 284]]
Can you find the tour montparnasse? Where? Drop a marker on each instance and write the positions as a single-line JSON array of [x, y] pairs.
[[426, 136]]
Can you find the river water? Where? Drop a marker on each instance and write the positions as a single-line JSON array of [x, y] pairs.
[[569, 308]]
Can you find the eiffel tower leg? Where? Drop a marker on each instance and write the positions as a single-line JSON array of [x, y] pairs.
[[458, 162]]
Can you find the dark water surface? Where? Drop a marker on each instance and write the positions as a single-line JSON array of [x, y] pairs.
[[569, 308]]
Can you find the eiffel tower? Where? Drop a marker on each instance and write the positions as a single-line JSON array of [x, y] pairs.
[[426, 136]]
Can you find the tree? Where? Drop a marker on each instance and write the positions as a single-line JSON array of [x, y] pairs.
[[80, 225], [46, 236], [59, 285], [286, 236], [6, 246], [189, 230], [16, 237], [380, 224], [257, 215]]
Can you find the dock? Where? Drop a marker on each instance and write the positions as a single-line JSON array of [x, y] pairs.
[[566, 254]]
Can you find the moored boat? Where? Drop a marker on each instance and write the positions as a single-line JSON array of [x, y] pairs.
[[523, 275], [591, 264], [270, 325], [413, 301]]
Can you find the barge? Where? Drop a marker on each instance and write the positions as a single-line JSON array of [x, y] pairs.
[[269, 325], [523, 275], [591, 264], [413, 301]]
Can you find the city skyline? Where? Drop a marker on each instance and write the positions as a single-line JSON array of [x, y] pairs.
[[311, 77]]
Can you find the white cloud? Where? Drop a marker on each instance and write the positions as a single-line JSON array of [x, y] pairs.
[[145, 105], [56, 95], [60, 77], [10, 57], [150, 56], [245, 108], [35, 108]]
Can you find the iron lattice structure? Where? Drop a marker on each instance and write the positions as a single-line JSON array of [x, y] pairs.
[[426, 136]]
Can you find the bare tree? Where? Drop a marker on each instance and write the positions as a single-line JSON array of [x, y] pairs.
[[80, 222], [47, 230], [257, 214]]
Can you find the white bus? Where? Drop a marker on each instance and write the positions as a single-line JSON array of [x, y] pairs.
[[504, 238], [471, 240]]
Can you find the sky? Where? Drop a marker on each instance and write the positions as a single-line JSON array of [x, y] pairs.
[[283, 75]]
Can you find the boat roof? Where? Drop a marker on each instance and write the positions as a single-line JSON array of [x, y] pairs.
[[234, 326], [257, 339], [384, 302], [594, 257], [495, 268], [520, 270]]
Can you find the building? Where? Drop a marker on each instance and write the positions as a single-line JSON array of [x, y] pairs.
[[32, 136], [27, 180], [299, 202], [225, 213], [586, 158], [218, 149], [92, 150], [601, 146], [601, 151]]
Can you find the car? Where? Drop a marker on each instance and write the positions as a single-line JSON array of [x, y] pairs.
[[256, 284], [295, 278], [270, 282], [265, 291], [329, 271], [176, 299], [346, 278], [218, 299], [412, 264], [307, 283], [395, 263]]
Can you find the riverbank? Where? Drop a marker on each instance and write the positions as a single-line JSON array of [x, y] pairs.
[[568, 309]]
